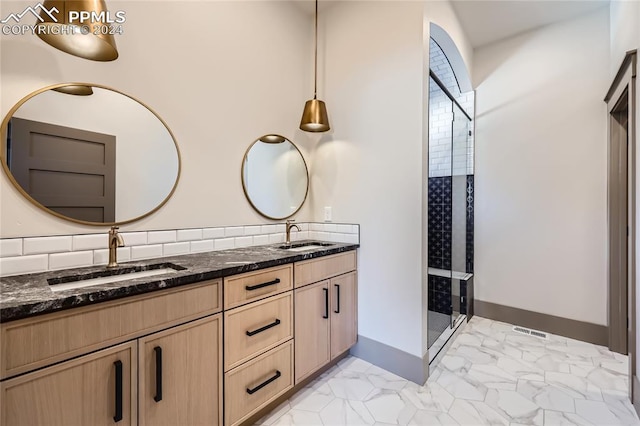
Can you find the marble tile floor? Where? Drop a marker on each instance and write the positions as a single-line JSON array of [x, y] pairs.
[[490, 375]]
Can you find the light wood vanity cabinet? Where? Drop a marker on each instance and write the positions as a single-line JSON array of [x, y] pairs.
[[102, 387], [97, 389], [157, 358], [325, 312]]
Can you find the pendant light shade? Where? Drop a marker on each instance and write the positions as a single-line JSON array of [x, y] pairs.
[[79, 39], [314, 117], [75, 89]]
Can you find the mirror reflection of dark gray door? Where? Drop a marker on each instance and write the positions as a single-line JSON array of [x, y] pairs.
[[67, 170]]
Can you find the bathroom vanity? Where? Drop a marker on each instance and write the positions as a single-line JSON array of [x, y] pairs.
[[216, 341]]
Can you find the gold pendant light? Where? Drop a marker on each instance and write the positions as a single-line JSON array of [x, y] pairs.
[[85, 40], [314, 116]]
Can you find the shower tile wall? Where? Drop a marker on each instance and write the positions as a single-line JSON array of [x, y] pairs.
[[440, 219], [440, 294]]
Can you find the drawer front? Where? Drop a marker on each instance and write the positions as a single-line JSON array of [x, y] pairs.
[[256, 328], [36, 342], [258, 382], [314, 270], [252, 286]]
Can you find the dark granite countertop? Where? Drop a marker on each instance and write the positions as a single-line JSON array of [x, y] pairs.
[[23, 296]]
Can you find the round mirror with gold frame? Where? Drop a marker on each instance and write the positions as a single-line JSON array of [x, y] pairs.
[[275, 177], [90, 154]]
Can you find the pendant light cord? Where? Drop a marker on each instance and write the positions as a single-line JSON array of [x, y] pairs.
[[315, 66]]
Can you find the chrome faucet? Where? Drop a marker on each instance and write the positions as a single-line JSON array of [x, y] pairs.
[[115, 241], [290, 225]]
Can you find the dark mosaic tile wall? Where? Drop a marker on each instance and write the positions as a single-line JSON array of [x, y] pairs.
[[440, 241], [440, 294], [470, 197], [439, 217]]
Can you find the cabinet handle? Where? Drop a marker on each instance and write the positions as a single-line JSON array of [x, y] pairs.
[[158, 351], [265, 383], [118, 416], [267, 284], [326, 303], [261, 329], [337, 311]]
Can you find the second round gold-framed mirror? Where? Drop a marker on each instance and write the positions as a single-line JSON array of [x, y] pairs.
[[275, 177]]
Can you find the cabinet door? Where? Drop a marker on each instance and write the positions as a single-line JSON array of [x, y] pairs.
[[312, 317], [344, 312], [181, 374], [96, 389]]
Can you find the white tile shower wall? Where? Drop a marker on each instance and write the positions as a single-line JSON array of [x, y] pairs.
[[40, 254], [440, 118]]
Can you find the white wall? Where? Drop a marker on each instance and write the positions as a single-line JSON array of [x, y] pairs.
[[540, 210], [370, 167], [219, 73]]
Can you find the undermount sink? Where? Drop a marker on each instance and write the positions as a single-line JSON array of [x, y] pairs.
[[112, 276], [307, 245]]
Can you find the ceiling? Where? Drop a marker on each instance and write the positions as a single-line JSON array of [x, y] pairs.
[[487, 21]]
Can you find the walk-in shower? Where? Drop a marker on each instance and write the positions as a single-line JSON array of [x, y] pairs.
[[450, 202]]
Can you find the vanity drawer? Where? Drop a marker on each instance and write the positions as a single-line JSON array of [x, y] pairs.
[[314, 270], [39, 341], [256, 328], [258, 382], [252, 286]]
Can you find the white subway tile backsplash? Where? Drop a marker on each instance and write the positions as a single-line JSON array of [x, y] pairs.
[[260, 240], [134, 238], [352, 239], [23, 264], [243, 241], [40, 245], [160, 237], [146, 252], [76, 259], [276, 238], [268, 229], [11, 247], [200, 246], [101, 257], [189, 234], [28, 255], [316, 227], [224, 243], [90, 242], [174, 249], [211, 233], [252, 230], [345, 229], [297, 236], [234, 231]]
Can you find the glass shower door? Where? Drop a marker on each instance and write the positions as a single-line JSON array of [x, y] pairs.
[[459, 166]]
